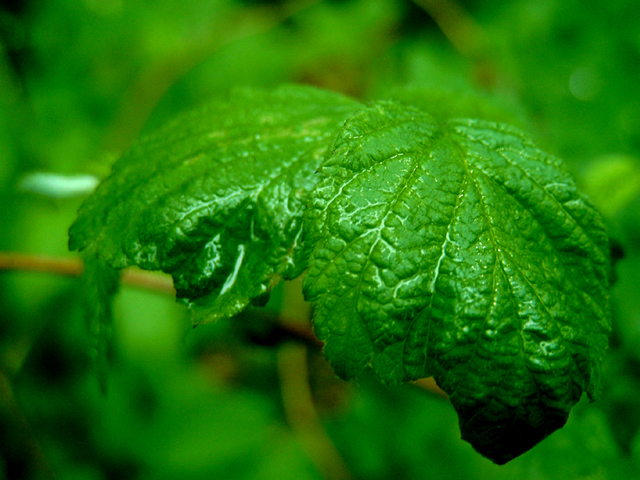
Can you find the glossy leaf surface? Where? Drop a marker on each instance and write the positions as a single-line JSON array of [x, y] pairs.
[[215, 198], [460, 250]]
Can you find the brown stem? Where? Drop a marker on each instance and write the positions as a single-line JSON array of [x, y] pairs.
[[73, 267], [301, 415], [466, 36], [456, 23], [294, 318], [148, 281], [41, 263]]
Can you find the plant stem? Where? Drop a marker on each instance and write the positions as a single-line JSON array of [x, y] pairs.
[[456, 24], [22, 453], [234, 24], [74, 267], [301, 415], [40, 263], [294, 319]]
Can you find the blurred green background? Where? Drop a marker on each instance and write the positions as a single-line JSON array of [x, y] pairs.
[[79, 79]]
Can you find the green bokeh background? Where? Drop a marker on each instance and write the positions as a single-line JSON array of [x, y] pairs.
[[80, 79]]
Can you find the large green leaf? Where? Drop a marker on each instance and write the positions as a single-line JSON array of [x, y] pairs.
[[460, 250], [216, 196]]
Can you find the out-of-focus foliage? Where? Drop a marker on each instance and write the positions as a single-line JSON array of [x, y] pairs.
[[78, 81]]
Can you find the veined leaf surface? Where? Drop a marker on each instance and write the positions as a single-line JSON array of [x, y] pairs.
[[460, 250], [215, 198]]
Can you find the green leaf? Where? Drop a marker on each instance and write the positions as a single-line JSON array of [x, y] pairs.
[[216, 197], [100, 284], [445, 102], [462, 251]]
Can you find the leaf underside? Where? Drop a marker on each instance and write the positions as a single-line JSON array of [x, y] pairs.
[[100, 284], [216, 197], [462, 251]]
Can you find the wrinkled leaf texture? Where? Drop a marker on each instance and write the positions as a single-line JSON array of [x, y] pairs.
[[447, 248], [462, 251], [216, 197]]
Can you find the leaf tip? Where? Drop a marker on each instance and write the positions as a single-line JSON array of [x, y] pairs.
[[503, 442]]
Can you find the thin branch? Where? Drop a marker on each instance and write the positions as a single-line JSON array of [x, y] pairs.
[[301, 415], [21, 450], [297, 399], [235, 24], [466, 36], [295, 314], [457, 24], [74, 267], [148, 281], [293, 319]]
